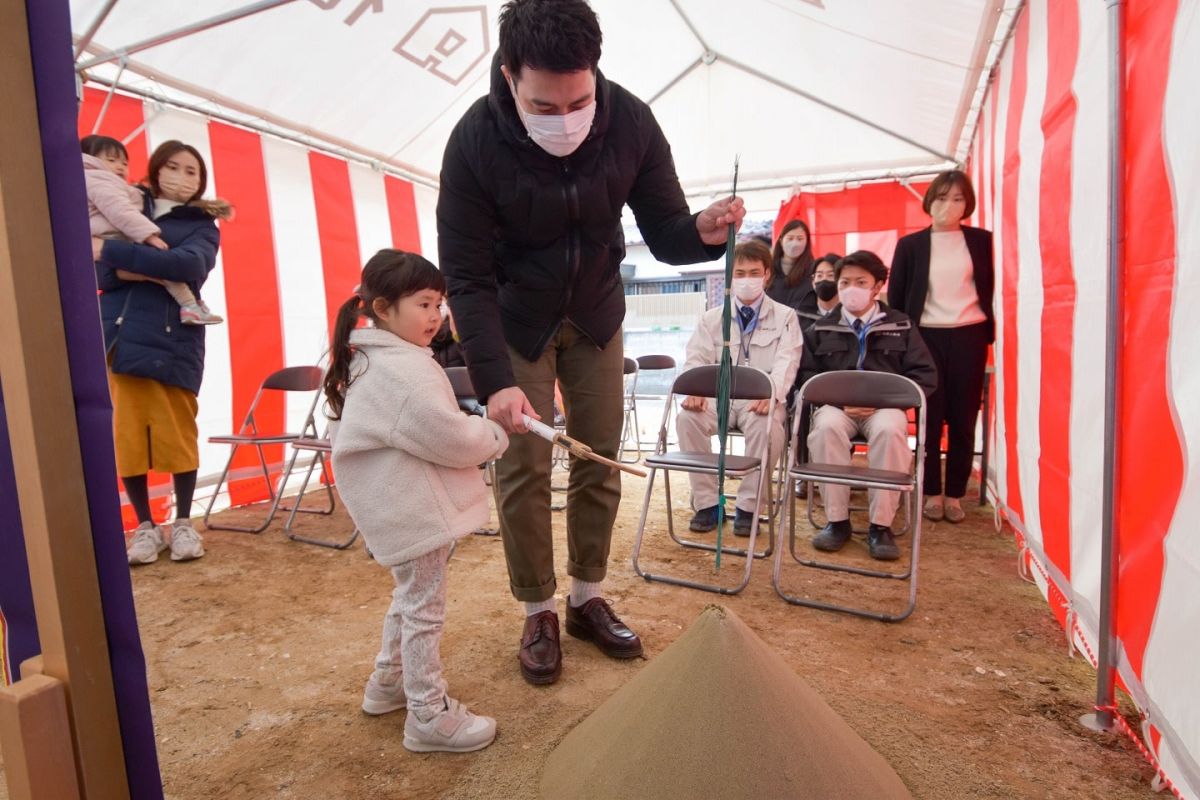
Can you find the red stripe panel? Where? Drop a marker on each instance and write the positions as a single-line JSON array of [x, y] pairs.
[[1058, 284], [124, 116], [1012, 168], [340, 261], [251, 302], [402, 214], [1151, 465]]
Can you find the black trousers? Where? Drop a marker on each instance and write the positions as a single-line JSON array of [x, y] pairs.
[[961, 358]]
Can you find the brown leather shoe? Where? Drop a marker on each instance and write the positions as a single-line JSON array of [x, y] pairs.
[[595, 621], [540, 656]]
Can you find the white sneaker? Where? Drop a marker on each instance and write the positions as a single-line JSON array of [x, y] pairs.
[[186, 543], [453, 730], [146, 544], [383, 698]]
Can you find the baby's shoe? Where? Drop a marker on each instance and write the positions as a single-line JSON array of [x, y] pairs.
[[198, 314], [451, 730]]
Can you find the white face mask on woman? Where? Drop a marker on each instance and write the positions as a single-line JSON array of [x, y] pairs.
[[177, 186], [793, 248], [557, 134]]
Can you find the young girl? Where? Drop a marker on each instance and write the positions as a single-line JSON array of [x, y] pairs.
[[407, 463], [115, 211]]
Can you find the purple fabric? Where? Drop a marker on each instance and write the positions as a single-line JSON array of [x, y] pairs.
[[16, 598], [54, 78]]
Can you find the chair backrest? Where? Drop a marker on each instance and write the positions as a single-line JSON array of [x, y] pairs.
[[655, 362], [460, 381], [746, 383], [631, 366], [862, 388], [295, 379]]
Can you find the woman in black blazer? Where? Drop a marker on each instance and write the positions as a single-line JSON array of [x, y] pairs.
[[943, 278], [790, 281]]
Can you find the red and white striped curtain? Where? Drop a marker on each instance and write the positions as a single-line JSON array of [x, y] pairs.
[[1039, 162], [305, 223]]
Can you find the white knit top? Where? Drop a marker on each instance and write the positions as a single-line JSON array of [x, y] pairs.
[[952, 300]]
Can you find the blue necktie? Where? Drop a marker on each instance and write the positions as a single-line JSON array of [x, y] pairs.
[[747, 314], [860, 331]]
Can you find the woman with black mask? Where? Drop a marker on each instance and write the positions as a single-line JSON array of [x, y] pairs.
[[824, 297]]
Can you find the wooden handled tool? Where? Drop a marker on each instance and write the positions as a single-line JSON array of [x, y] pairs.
[[576, 448]]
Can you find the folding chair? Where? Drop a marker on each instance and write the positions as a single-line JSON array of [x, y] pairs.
[[747, 383], [869, 390], [321, 450], [464, 393], [652, 364], [631, 427], [289, 379]]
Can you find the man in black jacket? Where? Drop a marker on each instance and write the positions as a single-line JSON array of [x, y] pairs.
[[533, 181], [862, 333]]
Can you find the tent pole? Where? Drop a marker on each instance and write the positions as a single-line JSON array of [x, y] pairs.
[[1102, 718], [86, 39], [179, 33]]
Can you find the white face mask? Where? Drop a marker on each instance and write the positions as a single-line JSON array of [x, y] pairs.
[[793, 249], [747, 289], [855, 299], [557, 134]]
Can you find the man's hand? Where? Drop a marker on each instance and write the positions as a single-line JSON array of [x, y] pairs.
[[695, 403], [507, 408], [858, 412], [712, 223], [760, 407]]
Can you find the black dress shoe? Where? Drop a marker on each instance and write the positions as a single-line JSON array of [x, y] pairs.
[[704, 520], [742, 521], [882, 543], [540, 655], [833, 537], [594, 621]]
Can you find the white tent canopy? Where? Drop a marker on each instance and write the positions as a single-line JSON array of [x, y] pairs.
[[807, 91]]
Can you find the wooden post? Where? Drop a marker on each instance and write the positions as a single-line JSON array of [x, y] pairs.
[[35, 735], [45, 441]]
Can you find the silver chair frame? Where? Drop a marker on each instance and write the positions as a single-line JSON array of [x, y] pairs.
[[662, 460], [630, 427], [873, 392], [321, 449], [284, 380]]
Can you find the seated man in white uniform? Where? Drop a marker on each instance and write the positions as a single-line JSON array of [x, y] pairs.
[[764, 334]]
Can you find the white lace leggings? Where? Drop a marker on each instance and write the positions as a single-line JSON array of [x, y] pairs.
[[412, 630]]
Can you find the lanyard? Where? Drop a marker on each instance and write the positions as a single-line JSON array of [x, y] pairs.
[[747, 329]]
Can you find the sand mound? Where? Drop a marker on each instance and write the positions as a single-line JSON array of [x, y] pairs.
[[717, 714]]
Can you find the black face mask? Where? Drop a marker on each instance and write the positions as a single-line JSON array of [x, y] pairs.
[[826, 290]]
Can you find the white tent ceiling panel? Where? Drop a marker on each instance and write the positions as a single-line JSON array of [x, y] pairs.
[[387, 80]]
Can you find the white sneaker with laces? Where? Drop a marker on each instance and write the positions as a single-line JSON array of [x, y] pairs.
[[186, 543], [452, 730], [146, 544], [383, 698]]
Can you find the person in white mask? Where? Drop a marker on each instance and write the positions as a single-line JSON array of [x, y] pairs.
[[764, 334], [533, 183], [862, 334]]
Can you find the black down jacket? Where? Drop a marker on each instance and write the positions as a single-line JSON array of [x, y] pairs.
[[527, 240]]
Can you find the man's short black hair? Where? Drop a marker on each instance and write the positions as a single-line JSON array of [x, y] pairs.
[[553, 35], [864, 259]]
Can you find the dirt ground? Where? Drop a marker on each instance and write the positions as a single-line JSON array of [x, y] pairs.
[[258, 653]]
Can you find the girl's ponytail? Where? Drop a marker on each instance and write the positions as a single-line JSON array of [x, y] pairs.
[[337, 377]]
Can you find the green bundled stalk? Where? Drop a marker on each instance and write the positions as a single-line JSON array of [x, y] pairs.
[[725, 375]]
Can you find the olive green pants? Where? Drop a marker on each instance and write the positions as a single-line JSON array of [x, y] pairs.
[[592, 383]]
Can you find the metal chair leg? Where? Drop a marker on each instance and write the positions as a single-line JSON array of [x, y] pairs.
[[287, 526]]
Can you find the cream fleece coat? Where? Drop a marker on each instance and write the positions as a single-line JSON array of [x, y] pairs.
[[406, 459], [114, 207]]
